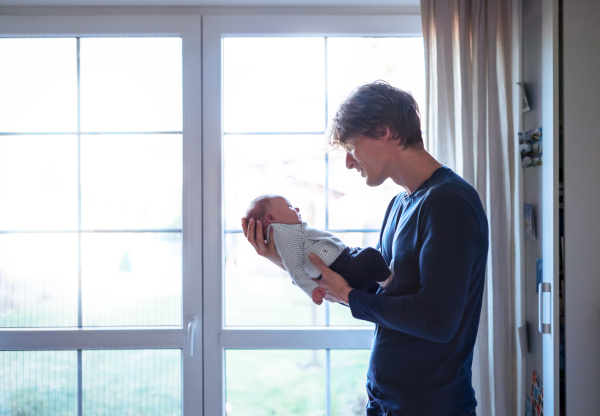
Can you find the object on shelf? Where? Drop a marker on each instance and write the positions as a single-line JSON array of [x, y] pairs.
[[523, 332], [530, 147], [529, 222], [524, 100], [536, 395]]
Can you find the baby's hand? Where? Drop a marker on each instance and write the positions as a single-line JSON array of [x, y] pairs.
[[318, 295]]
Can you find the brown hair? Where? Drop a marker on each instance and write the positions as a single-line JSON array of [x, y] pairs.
[[374, 106], [258, 208]]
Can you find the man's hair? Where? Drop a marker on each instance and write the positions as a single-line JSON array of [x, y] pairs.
[[374, 106], [258, 208]]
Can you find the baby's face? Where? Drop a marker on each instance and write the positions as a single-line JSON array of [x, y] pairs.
[[284, 212]]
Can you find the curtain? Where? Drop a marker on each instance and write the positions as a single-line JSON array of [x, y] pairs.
[[469, 129]]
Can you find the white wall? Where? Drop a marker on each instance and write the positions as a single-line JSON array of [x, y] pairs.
[[582, 205]]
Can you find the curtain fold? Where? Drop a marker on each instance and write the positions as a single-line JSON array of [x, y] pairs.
[[469, 129]]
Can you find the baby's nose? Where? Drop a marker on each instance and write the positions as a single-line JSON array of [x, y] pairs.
[[297, 209]]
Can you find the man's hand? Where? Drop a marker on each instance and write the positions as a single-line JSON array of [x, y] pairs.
[[336, 287], [253, 231]]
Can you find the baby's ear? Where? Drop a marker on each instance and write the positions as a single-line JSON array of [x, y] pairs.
[[269, 217]]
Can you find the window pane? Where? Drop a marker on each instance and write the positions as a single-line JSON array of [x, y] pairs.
[[131, 279], [282, 383], [38, 182], [38, 383], [355, 61], [274, 84], [260, 293], [291, 166], [352, 204], [38, 85], [38, 280], [131, 181], [340, 315], [132, 382], [348, 377], [131, 84]]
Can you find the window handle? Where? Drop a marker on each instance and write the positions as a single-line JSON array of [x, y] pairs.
[[191, 333], [544, 287]]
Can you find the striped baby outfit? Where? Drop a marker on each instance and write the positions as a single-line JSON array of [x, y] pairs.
[[295, 242]]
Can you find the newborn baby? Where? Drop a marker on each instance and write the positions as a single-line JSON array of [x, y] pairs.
[[294, 241]]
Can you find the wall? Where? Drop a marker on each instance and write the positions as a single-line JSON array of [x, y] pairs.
[[582, 205]]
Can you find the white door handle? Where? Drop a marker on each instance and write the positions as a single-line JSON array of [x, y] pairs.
[[191, 332], [544, 287]]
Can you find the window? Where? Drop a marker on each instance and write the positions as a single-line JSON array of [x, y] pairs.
[[121, 257], [280, 81], [97, 288]]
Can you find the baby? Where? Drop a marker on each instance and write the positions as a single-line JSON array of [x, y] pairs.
[[294, 241]]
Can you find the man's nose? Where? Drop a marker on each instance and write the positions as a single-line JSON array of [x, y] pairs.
[[350, 162]]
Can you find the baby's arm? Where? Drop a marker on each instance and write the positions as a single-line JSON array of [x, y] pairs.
[[289, 247]]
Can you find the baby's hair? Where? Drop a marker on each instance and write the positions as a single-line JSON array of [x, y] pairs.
[[258, 208]]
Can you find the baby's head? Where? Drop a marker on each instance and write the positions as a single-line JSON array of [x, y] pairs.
[[271, 209]]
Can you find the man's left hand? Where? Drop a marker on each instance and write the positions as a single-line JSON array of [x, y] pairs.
[[336, 287]]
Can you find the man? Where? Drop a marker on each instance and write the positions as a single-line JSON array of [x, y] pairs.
[[435, 239]]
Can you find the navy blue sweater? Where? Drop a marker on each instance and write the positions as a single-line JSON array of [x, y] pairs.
[[436, 242]]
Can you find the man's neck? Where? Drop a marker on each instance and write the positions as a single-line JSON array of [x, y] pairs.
[[413, 167]]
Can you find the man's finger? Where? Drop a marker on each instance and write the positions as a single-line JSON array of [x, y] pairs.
[[245, 227], [317, 262], [260, 236], [251, 231]]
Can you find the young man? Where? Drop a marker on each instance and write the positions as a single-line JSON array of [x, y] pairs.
[[435, 239]]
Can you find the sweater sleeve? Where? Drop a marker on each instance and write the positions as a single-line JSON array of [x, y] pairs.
[[450, 233], [289, 246]]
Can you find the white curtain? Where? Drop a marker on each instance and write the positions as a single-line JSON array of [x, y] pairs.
[[469, 128]]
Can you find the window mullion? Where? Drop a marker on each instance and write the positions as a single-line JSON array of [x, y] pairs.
[[79, 269]]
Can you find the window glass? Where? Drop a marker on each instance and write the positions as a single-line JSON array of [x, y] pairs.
[[38, 182], [274, 84], [289, 165], [132, 382], [38, 383], [38, 85], [348, 378], [131, 181], [275, 382], [131, 279], [38, 280], [353, 61], [131, 84]]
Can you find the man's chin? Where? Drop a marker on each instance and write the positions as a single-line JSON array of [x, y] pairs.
[[373, 183]]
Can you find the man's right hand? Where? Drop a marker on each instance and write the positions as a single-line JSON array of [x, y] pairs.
[[253, 231]]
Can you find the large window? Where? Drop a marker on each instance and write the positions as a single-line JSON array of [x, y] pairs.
[[93, 218], [126, 285], [277, 352]]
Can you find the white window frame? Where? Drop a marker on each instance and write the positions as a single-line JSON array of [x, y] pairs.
[[218, 337], [189, 29]]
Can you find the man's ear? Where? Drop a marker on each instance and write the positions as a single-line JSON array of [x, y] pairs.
[[385, 133]]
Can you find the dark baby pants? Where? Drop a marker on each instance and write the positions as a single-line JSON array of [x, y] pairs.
[[361, 267]]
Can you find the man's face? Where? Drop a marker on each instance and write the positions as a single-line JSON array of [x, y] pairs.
[[367, 156], [284, 212]]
